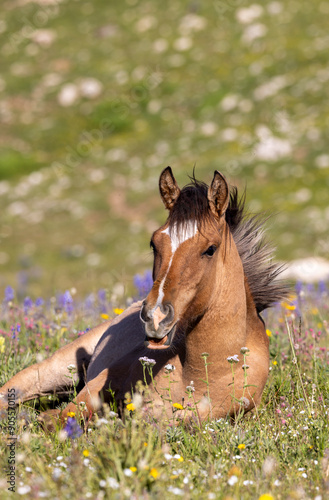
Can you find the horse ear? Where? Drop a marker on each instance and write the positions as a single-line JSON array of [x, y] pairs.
[[218, 194], [169, 189]]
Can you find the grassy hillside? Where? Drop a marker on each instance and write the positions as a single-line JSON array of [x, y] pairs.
[[97, 97]]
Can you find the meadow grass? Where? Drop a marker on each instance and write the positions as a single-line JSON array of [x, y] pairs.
[[280, 450], [237, 86]]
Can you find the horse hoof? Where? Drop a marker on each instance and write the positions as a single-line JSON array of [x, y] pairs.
[[50, 420]]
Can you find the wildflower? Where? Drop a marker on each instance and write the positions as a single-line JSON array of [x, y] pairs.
[[9, 294], [71, 414], [27, 304], [82, 406], [241, 446], [179, 457], [154, 473], [85, 453], [131, 407], [39, 302], [274, 362], [268, 333], [128, 472], [133, 469], [105, 316], [112, 483], [169, 368], [22, 490], [118, 310], [72, 428], [178, 406], [147, 361], [266, 496], [71, 368], [190, 388], [2, 344], [175, 491], [235, 471], [244, 350], [232, 480], [245, 367], [145, 444], [204, 355], [143, 283], [66, 301], [233, 359]]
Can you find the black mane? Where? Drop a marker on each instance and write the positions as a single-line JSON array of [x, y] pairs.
[[248, 233]]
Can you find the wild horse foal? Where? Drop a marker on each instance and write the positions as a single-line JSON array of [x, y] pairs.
[[213, 275]]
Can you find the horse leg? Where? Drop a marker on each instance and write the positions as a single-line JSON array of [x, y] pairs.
[[53, 374], [87, 402]]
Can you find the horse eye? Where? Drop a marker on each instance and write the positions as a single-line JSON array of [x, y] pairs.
[[210, 251]]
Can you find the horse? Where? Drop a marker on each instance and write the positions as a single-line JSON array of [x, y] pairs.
[[213, 275]]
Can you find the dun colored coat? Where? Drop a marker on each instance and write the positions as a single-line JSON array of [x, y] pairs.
[[213, 275]]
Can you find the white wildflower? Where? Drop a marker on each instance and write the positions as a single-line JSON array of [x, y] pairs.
[[233, 480], [147, 361], [233, 359]]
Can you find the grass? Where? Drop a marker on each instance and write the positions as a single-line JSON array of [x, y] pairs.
[[149, 85], [279, 450]]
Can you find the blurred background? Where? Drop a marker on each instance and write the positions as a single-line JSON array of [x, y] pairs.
[[96, 98]]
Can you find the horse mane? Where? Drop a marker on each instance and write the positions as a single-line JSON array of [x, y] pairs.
[[255, 251]]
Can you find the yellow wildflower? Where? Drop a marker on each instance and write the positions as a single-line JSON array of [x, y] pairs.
[[268, 333], [180, 459], [145, 444], [266, 496], [235, 471], [133, 469], [2, 344], [274, 362], [288, 307], [154, 473], [131, 407], [241, 446], [178, 406], [117, 310], [71, 414], [85, 453], [315, 310], [105, 316]]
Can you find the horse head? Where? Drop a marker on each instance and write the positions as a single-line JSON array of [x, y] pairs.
[[188, 252]]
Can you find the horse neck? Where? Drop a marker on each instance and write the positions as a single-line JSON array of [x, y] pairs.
[[221, 331]]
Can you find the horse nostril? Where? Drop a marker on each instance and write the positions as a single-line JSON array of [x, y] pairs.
[[144, 314], [169, 312]]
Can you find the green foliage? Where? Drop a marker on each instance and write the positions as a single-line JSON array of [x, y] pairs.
[[98, 97], [279, 449]]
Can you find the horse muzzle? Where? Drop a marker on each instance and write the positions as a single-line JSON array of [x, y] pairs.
[[158, 324]]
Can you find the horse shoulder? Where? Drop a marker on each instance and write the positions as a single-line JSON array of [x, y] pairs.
[[122, 336]]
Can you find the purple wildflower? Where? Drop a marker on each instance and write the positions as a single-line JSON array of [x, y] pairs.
[[323, 288], [9, 294], [102, 300], [66, 301], [28, 303], [143, 283], [39, 302], [72, 428], [298, 287]]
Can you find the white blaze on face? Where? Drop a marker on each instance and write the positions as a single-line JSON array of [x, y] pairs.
[[177, 238]]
